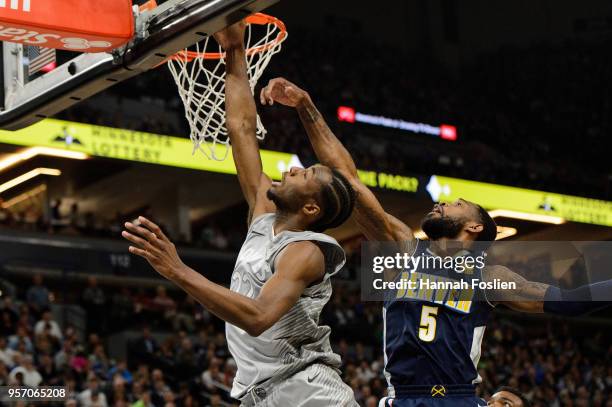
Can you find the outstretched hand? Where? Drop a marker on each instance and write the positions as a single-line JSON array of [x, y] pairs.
[[282, 91], [152, 244], [231, 36]]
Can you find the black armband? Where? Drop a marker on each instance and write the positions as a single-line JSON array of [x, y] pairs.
[[579, 301]]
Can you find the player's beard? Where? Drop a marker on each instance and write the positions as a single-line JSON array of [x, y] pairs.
[[283, 204], [441, 227]]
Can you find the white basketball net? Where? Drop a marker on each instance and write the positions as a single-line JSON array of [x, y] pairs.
[[201, 86]]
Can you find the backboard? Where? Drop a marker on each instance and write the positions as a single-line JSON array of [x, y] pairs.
[[40, 82]]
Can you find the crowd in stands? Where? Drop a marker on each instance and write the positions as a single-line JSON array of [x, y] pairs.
[[526, 116], [180, 357], [226, 234]]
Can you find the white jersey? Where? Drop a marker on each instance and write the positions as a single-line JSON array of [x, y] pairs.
[[296, 340]]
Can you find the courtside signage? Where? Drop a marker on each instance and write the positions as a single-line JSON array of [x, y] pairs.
[[157, 149], [491, 196], [444, 131], [137, 146]]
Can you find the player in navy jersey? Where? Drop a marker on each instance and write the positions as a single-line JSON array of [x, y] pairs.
[[432, 337]]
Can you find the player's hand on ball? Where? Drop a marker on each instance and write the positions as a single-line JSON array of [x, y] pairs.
[[231, 36], [282, 91], [152, 244]]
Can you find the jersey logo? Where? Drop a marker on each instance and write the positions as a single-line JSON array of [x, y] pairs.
[[311, 378], [438, 391]]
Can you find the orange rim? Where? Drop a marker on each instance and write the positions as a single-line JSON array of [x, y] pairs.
[[257, 19]]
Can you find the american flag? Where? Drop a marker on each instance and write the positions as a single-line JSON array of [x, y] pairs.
[[40, 58]]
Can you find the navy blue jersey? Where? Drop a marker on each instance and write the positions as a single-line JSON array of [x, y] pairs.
[[433, 335]]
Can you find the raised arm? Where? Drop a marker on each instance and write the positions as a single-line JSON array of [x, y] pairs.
[[241, 121], [372, 219], [299, 265], [535, 297]]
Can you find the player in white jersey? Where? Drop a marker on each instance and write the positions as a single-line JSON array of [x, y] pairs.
[[281, 280]]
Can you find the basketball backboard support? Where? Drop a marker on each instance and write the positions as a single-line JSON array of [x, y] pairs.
[[159, 33]]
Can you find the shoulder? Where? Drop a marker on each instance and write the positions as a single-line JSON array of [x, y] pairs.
[[301, 260], [305, 251], [261, 220]]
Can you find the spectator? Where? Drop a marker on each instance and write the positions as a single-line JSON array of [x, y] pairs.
[[98, 361], [56, 220], [159, 387], [64, 357], [165, 305], [26, 319], [94, 302], [122, 370], [162, 301], [7, 354], [4, 374], [122, 309], [184, 317], [92, 396], [229, 372], [144, 400], [146, 346], [215, 401], [8, 322], [48, 372], [31, 377], [76, 222], [119, 392], [21, 338], [10, 307], [38, 295], [211, 377], [48, 323]]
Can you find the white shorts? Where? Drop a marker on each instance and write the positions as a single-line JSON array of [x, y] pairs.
[[316, 386]]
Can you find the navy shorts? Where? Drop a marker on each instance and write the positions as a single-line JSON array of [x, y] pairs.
[[458, 401], [433, 396]]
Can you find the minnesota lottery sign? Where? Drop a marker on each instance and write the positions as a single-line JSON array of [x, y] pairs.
[[137, 146]]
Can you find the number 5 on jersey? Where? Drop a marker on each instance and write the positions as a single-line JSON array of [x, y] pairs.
[[427, 329]]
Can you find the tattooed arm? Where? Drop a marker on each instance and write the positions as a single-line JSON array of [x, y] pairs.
[[370, 216], [528, 296]]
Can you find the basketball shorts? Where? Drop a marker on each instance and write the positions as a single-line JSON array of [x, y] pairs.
[[433, 396], [432, 402], [316, 386]]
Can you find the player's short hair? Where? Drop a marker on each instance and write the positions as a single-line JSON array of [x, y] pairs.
[[338, 201], [489, 227], [517, 393]]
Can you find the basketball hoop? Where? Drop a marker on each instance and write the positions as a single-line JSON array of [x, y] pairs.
[[200, 78]]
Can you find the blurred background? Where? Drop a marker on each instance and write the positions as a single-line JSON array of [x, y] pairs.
[[522, 91]]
